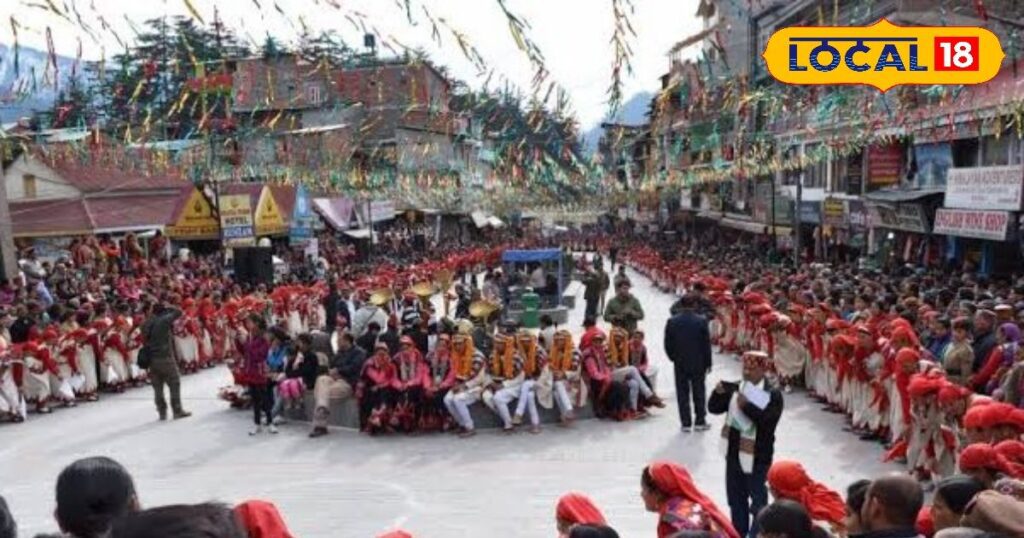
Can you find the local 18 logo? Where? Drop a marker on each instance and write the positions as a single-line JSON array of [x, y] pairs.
[[883, 55]]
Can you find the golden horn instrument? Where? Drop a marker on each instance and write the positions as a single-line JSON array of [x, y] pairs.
[[423, 290], [482, 309], [382, 296]]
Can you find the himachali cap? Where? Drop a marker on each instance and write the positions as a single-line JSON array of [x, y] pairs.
[[758, 359], [951, 393], [979, 456], [837, 325]]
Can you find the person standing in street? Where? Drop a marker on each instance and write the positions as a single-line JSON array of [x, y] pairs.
[[752, 408], [592, 292], [605, 282], [255, 372], [624, 309], [163, 370], [688, 346]]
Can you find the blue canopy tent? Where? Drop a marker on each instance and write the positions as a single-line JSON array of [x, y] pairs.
[[552, 256]]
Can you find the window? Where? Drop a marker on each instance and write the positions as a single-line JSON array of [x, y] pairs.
[[965, 153], [313, 95], [995, 152], [817, 171], [28, 185]]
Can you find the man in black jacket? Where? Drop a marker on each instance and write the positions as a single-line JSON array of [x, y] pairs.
[[753, 408], [339, 383], [688, 346]]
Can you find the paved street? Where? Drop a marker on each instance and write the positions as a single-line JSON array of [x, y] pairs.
[[350, 485]]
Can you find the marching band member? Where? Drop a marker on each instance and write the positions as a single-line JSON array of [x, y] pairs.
[[470, 379]]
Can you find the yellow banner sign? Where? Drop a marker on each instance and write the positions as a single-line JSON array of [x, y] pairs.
[[883, 55], [195, 221], [269, 220]]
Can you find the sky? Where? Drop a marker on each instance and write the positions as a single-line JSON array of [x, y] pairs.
[[573, 35]]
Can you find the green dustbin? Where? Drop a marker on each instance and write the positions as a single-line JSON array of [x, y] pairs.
[[531, 310]]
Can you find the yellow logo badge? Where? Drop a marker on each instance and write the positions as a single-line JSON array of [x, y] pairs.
[[883, 55]]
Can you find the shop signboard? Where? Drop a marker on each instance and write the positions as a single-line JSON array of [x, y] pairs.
[[978, 224], [857, 215], [833, 212], [885, 164], [904, 217], [301, 229], [810, 212], [988, 187], [855, 174], [236, 220]]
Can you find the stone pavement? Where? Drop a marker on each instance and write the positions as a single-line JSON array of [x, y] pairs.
[[349, 485]]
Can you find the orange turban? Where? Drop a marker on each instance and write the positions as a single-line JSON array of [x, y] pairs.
[[578, 509], [674, 481], [789, 480]]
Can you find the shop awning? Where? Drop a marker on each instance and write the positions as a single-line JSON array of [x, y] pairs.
[[50, 218], [360, 233], [480, 219], [755, 227], [118, 214], [336, 211], [898, 196]]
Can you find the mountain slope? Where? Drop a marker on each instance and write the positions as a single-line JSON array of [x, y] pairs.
[[632, 112], [28, 85]]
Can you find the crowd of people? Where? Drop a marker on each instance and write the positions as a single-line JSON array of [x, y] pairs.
[[96, 498], [927, 363]]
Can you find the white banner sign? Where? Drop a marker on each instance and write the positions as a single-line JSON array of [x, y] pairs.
[[989, 187], [992, 225]]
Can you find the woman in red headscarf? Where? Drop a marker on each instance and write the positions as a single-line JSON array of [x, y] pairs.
[[261, 519], [376, 391], [576, 509], [668, 490], [789, 480]]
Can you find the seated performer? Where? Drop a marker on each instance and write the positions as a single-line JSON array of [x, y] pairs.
[[470, 380], [377, 392], [413, 376], [441, 380], [618, 359], [611, 397], [505, 369], [534, 359], [638, 359], [562, 378]]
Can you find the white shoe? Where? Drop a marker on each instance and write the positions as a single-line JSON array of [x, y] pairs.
[[278, 420], [272, 428], [256, 430]]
